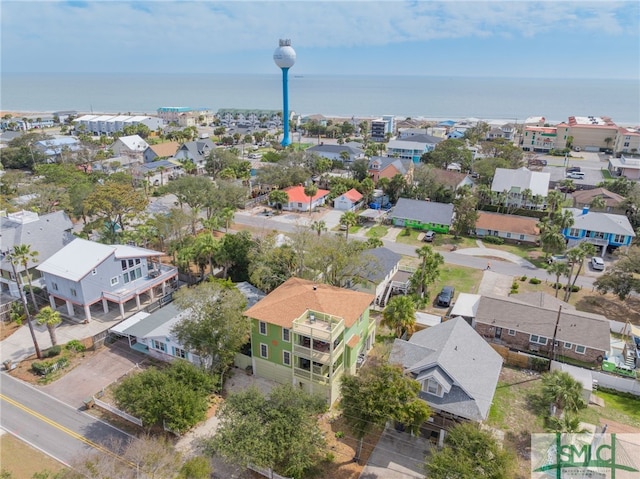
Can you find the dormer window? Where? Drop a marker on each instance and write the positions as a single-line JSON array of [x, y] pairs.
[[431, 386]]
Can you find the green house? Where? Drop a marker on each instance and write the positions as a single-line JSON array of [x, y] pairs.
[[310, 335]]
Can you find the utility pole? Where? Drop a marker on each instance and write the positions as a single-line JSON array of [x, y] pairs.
[[26, 308], [555, 332]]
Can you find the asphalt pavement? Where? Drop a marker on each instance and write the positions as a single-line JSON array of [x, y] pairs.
[[51, 426]]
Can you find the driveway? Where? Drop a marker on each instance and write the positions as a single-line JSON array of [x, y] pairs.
[[108, 365], [397, 455]]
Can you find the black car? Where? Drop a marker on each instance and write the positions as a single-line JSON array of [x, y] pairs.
[[446, 296], [573, 169]]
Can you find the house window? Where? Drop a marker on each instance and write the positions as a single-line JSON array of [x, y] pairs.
[[580, 349], [534, 338], [626, 143], [521, 237], [574, 232], [179, 353], [159, 346], [54, 286], [264, 350], [286, 334], [114, 281], [597, 235], [74, 292], [619, 238], [431, 386], [125, 278], [567, 345], [511, 332], [286, 358], [262, 326], [299, 205], [123, 263]]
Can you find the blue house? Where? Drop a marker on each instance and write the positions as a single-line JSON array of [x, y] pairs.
[[455, 134], [604, 230]]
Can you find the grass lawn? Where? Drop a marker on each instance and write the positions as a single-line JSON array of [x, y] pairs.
[[465, 280], [442, 242], [622, 409], [606, 174], [22, 460], [377, 231]]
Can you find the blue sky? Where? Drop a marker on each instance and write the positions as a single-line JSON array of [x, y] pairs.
[[451, 38]]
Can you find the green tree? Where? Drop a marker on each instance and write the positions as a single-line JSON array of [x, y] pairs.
[[558, 268], [563, 391], [23, 255], [551, 238], [567, 424], [428, 271], [319, 227], [116, 203], [597, 203], [195, 192], [447, 152], [310, 191], [380, 393], [279, 198], [279, 432], [466, 213], [271, 265], [470, 452], [176, 396], [214, 327], [233, 255], [348, 219], [360, 169], [624, 276], [577, 256], [50, 318], [399, 315]]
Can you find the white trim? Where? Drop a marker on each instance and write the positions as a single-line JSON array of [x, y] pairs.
[[266, 348], [584, 349], [284, 355], [511, 332], [288, 339], [266, 330]]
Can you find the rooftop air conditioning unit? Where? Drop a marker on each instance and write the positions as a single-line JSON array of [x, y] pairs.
[[312, 318]]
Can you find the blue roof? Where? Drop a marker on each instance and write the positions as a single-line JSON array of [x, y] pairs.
[[447, 123]]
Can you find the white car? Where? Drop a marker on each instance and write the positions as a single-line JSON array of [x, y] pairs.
[[597, 263], [576, 175]]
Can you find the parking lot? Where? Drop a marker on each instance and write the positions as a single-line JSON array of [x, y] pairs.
[[592, 176]]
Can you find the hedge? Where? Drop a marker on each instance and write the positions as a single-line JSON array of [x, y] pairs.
[[45, 367]]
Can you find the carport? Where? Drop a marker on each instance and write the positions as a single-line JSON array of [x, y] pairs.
[[127, 329]]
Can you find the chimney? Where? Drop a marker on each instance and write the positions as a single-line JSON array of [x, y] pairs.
[[585, 209]]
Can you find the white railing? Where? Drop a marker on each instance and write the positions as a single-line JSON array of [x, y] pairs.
[[117, 412]]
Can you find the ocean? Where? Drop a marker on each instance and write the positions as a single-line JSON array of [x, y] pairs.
[[513, 99]]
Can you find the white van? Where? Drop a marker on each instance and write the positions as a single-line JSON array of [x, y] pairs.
[[576, 175]]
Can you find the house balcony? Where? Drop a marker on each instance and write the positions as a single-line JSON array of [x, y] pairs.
[[318, 374], [320, 353], [155, 277], [318, 326]]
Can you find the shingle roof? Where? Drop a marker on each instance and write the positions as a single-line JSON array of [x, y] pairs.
[[385, 261], [453, 351], [423, 211], [448, 177], [79, 257], [167, 149], [602, 222], [522, 179], [385, 162], [585, 197], [46, 235], [576, 327], [423, 138], [508, 223], [353, 195], [295, 296]]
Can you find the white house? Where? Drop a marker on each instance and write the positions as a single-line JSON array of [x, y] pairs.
[[129, 145], [349, 201], [514, 183], [299, 201]]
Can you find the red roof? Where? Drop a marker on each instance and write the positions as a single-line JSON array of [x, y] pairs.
[[353, 195], [297, 195]]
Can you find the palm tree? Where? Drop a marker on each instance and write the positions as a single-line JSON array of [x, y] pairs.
[[349, 219], [22, 255], [578, 255], [319, 226], [400, 315], [279, 198], [598, 203], [554, 201], [569, 185], [428, 271], [564, 392], [526, 195], [51, 318], [558, 268], [310, 190], [551, 238], [567, 424], [226, 216]]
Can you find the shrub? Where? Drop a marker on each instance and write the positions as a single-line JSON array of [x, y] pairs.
[[52, 352], [574, 288], [493, 240], [515, 285], [523, 278], [535, 281], [557, 286], [330, 457], [75, 345], [406, 232], [539, 364], [43, 368], [339, 435]]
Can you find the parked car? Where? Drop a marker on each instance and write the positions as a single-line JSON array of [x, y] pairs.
[[576, 175], [429, 236], [597, 263], [573, 169], [557, 258], [446, 296], [537, 162]]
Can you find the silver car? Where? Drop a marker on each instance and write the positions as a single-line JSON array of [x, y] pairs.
[[597, 263]]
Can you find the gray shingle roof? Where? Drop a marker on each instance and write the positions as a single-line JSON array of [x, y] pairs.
[[402, 165], [385, 261], [423, 138], [46, 235], [423, 211], [576, 327], [453, 350]]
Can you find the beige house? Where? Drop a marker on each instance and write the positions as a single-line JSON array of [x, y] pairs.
[[614, 203], [627, 141], [592, 133]]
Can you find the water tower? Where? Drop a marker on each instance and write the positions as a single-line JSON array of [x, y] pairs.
[[285, 57]]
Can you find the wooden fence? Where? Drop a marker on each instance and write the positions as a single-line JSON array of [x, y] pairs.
[[513, 358]]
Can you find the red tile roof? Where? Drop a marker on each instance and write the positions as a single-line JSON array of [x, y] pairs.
[[297, 195], [353, 195]]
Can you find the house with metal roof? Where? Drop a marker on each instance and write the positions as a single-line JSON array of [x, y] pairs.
[[129, 145], [54, 148], [349, 201], [519, 187], [44, 234], [310, 334], [457, 370], [84, 274], [422, 215], [604, 230], [336, 152]]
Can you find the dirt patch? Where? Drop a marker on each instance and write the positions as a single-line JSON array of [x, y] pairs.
[[611, 307], [617, 427], [22, 460], [7, 328]]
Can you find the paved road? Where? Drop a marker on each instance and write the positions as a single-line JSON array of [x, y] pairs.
[[456, 258], [51, 426]]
